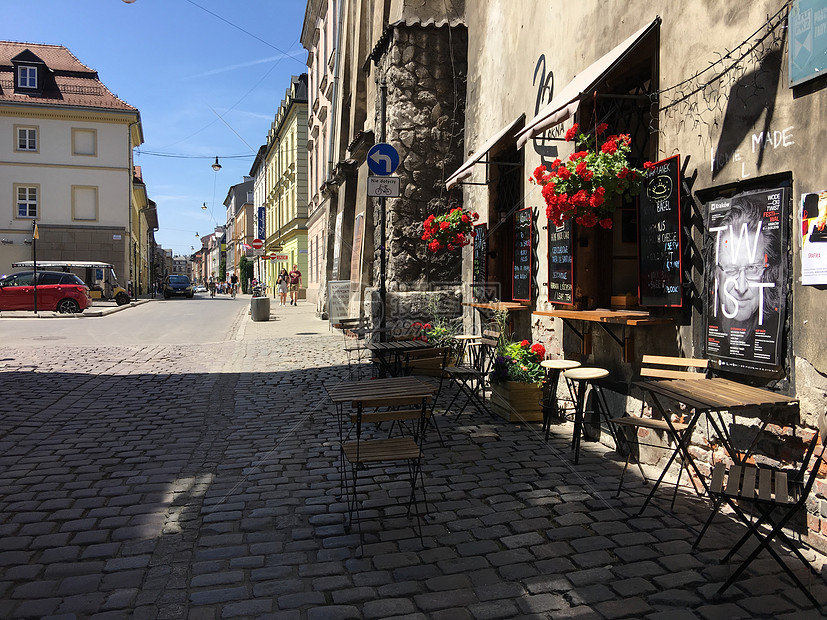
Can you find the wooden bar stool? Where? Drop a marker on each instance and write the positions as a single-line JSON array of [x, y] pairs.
[[550, 406], [583, 377]]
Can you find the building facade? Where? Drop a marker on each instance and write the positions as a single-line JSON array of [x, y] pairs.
[[285, 164], [66, 162], [723, 127]]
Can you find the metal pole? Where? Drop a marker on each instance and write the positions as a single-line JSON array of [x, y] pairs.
[[34, 260], [383, 292]]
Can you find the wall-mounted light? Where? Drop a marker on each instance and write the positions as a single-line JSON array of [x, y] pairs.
[[6, 241], [216, 166]]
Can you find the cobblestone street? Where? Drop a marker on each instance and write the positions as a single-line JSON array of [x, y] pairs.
[[201, 481]]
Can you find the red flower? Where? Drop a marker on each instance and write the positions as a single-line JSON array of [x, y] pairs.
[[475, 215], [624, 172], [538, 350], [427, 326], [598, 197], [601, 128], [556, 163], [434, 245], [548, 191], [524, 343], [451, 247], [563, 173], [465, 218], [606, 223], [588, 220], [444, 225], [578, 155], [416, 324], [539, 173], [609, 147], [571, 133], [580, 198], [648, 165]]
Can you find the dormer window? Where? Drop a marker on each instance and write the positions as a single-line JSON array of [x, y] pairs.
[[27, 77], [29, 73]]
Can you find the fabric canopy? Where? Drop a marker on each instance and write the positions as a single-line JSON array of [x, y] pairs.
[[565, 104], [464, 171]]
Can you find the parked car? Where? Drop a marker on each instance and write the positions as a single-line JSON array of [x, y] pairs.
[[57, 291], [178, 285]]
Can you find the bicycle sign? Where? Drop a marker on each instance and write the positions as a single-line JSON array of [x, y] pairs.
[[383, 187]]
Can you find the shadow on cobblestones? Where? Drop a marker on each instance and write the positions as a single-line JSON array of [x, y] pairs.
[[203, 482]]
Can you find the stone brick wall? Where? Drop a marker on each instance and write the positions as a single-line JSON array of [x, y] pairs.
[[425, 70]]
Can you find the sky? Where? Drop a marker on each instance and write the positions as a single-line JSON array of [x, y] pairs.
[[206, 75]]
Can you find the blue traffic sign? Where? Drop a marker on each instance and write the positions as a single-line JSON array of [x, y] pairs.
[[383, 159]]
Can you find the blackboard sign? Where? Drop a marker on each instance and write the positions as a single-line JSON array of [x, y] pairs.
[[660, 235], [521, 281], [480, 275], [560, 272]]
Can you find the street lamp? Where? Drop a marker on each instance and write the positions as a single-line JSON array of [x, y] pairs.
[[216, 166], [204, 206]]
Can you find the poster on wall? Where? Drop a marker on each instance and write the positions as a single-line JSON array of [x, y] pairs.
[[745, 275], [814, 238]]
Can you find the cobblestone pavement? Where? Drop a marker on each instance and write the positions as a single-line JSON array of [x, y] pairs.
[[201, 482]]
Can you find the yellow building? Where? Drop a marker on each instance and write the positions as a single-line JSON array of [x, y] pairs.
[[285, 201]]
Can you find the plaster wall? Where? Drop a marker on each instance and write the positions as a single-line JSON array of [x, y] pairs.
[[730, 122]]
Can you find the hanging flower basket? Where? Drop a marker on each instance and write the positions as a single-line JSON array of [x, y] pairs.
[[449, 231], [587, 187]]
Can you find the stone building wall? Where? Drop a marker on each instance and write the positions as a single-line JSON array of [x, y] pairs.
[[425, 70]]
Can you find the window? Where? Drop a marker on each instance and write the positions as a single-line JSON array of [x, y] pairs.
[[26, 139], [26, 77], [84, 142], [26, 200]]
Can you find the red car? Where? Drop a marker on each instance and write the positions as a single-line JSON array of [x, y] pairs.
[[57, 291]]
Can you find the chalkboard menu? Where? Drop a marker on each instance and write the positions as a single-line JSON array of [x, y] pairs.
[[660, 235], [480, 275], [521, 282], [560, 272]]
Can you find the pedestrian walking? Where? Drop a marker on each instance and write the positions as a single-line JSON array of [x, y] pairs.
[[295, 283], [283, 282]]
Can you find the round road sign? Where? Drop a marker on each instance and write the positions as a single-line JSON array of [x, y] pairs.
[[257, 244]]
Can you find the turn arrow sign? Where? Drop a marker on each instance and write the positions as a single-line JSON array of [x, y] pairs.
[[383, 159]]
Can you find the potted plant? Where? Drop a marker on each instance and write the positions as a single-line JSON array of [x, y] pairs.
[[590, 184], [449, 231], [517, 377]]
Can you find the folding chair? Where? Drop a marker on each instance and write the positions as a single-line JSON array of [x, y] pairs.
[[361, 451], [428, 362], [353, 331], [768, 491], [470, 380], [660, 367]]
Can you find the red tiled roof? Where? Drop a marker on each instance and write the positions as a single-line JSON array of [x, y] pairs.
[[75, 84]]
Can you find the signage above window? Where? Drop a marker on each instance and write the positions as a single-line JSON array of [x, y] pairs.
[[808, 40]]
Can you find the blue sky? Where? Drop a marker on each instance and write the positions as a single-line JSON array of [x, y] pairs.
[[204, 87]]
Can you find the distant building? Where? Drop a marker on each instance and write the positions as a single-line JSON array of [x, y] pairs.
[[66, 163], [285, 164]]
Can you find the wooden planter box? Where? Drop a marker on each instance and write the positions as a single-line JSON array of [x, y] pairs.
[[517, 402]]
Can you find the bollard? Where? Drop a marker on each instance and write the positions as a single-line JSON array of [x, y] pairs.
[[260, 308]]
